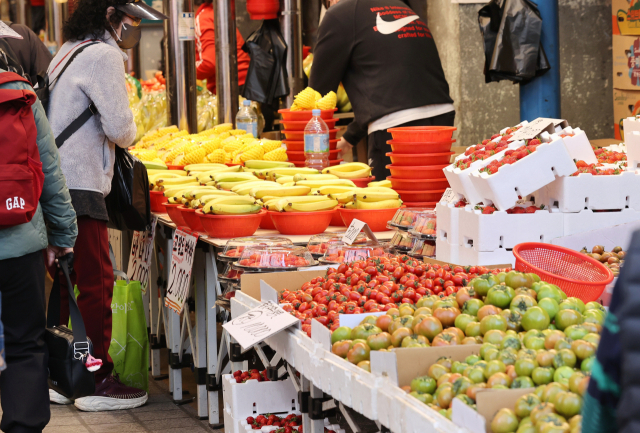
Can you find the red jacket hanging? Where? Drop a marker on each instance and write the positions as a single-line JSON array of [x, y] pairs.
[[206, 49]]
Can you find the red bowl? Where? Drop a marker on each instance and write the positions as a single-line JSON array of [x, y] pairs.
[[298, 145], [302, 223], [412, 196], [363, 182], [420, 158], [418, 184], [336, 220], [376, 219], [422, 133], [299, 156], [230, 226], [299, 125], [287, 114], [415, 172], [192, 220], [267, 222], [331, 162], [427, 204], [156, 199], [299, 135], [175, 167], [420, 146], [175, 214]]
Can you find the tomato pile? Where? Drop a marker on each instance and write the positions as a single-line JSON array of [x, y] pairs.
[[488, 210], [593, 169], [274, 260], [377, 284], [290, 421], [610, 156], [512, 156], [242, 376], [156, 84]]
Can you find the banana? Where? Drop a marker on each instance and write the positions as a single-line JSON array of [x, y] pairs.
[[289, 184], [289, 171], [311, 207], [153, 177], [327, 182], [174, 200], [151, 172], [163, 187], [377, 189], [344, 168], [177, 190], [261, 165], [212, 192], [250, 183], [246, 190], [181, 180], [278, 203], [336, 189], [350, 205], [190, 193], [374, 196], [380, 184], [384, 204], [260, 192], [210, 183], [228, 185], [343, 197], [302, 176], [237, 200], [233, 177], [232, 209], [155, 165], [284, 179], [357, 174], [203, 167]]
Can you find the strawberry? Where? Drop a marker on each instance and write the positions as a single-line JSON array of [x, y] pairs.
[[534, 142], [237, 373], [488, 210], [495, 136], [250, 420], [531, 209], [518, 210]]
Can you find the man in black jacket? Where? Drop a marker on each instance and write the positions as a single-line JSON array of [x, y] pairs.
[[385, 56], [26, 49]]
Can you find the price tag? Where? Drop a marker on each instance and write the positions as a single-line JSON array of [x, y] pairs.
[[184, 248], [354, 229], [448, 196], [534, 128], [140, 256], [259, 323], [186, 26]]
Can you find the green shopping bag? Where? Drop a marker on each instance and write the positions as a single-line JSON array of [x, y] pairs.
[[129, 347]]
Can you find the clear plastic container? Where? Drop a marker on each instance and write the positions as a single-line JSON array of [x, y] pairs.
[[425, 225], [230, 274], [341, 253], [402, 242], [316, 142], [406, 217], [424, 248], [234, 247], [318, 244], [247, 119], [260, 257]]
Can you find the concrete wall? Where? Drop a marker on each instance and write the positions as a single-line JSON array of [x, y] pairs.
[[585, 69]]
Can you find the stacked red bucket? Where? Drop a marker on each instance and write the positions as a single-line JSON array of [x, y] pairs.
[[293, 124], [419, 155]]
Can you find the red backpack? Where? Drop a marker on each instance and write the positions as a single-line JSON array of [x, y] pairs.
[[21, 176]]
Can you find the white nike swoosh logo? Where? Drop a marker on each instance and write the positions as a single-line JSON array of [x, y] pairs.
[[388, 27]]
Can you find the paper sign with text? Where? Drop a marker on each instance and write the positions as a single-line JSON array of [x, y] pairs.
[[140, 256], [448, 196], [533, 129], [354, 230], [259, 323], [184, 248]]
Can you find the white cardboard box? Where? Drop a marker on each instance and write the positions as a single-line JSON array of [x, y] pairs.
[[470, 256], [446, 252], [578, 145], [253, 398], [632, 141], [588, 220], [448, 222]]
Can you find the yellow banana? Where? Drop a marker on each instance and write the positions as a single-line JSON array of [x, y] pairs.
[[357, 174], [193, 183], [289, 171], [190, 193], [237, 200], [350, 205], [154, 177], [384, 204], [213, 192], [311, 207], [233, 177], [278, 203], [174, 200], [327, 182], [203, 167], [302, 176], [380, 184], [350, 166], [261, 165], [246, 190], [232, 209], [228, 185], [177, 190], [377, 189], [289, 184], [181, 180], [343, 197], [373, 196], [260, 192], [151, 172], [336, 189], [250, 183], [284, 179]]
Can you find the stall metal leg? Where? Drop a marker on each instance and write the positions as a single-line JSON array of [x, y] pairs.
[[153, 292], [212, 288], [174, 342], [200, 354]]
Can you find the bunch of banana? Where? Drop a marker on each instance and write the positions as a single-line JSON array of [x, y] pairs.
[[252, 165], [203, 167], [162, 183], [261, 191], [380, 184], [374, 198], [236, 205], [290, 204], [305, 176], [246, 187], [351, 170], [155, 165], [270, 173]]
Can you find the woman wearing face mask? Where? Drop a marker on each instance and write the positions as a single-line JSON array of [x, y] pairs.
[[95, 78]]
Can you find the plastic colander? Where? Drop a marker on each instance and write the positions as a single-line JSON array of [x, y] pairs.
[[576, 274]]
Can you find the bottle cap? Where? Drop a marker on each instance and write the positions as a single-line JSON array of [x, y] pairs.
[[315, 112], [246, 102]]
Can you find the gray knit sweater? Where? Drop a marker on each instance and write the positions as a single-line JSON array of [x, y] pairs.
[[95, 75]]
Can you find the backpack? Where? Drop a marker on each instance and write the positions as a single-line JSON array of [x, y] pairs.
[[21, 176]]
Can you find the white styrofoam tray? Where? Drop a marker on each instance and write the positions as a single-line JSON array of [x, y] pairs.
[[503, 189], [588, 220], [578, 145], [446, 252], [253, 398], [447, 221], [632, 142], [468, 255]]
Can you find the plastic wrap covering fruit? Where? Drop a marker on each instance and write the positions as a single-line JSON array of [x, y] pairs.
[[425, 225], [235, 247], [337, 253], [424, 248], [318, 244], [403, 242], [275, 257], [405, 218]]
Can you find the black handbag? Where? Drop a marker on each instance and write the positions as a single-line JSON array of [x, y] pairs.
[[68, 349], [128, 203]]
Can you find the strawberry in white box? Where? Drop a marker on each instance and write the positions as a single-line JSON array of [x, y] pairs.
[[522, 171], [251, 398], [576, 142], [486, 229]]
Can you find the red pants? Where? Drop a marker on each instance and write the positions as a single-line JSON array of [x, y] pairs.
[[93, 274]]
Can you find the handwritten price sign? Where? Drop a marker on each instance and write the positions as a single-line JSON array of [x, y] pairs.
[[259, 324], [184, 248], [140, 257]]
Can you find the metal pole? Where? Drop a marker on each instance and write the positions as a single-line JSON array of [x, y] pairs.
[[21, 14], [291, 27], [180, 64], [541, 96], [310, 22], [56, 13], [224, 15]]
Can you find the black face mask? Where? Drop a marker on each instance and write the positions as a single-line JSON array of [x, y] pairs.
[[130, 36]]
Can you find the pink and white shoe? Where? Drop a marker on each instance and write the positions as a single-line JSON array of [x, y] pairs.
[[111, 394]]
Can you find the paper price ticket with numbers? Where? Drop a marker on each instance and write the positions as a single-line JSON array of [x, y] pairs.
[[140, 256], [182, 253], [354, 230], [259, 324]]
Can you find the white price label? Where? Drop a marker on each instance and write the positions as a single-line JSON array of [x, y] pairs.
[[140, 256], [448, 196], [186, 26], [184, 248], [353, 231], [259, 323], [533, 129]]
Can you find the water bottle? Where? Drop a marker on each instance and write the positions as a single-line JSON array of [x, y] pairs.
[[316, 142], [246, 119]]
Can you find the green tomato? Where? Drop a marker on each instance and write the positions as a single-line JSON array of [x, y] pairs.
[[535, 318], [512, 342], [525, 366], [472, 359], [476, 375], [515, 280], [461, 384], [576, 332], [562, 374], [425, 398], [521, 303], [594, 316], [363, 331], [550, 305], [485, 347], [534, 341], [564, 357], [494, 367], [524, 406], [458, 367], [491, 354], [586, 365], [566, 318], [462, 320], [592, 338], [542, 375], [573, 304], [340, 334], [472, 306], [507, 357], [594, 306], [493, 322], [563, 343], [483, 283], [569, 404], [500, 296], [424, 385], [465, 399], [547, 291], [526, 354], [504, 421], [522, 382], [472, 329], [494, 336]]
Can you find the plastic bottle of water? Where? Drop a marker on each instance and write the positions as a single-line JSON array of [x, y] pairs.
[[316, 142], [246, 119]]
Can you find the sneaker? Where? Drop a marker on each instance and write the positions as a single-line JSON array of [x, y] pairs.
[[56, 397], [111, 394]]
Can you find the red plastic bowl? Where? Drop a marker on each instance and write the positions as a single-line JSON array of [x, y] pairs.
[[402, 159], [376, 219], [192, 220], [230, 226], [410, 196], [422, 133], [302, 223], [156, 199], [331, 163], [421, 146], [425, 204], [418, 184], [175, 214], [299, 135], [267, 222], [175, 167], [363, 182], [298, 145], [299, 156], [287, 114], [336, 220], [299, 125], [416, 172]]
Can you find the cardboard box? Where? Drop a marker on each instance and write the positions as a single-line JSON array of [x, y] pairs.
[[626, 103], [488, 402], [250, 283], [625, 17], [626, 62]]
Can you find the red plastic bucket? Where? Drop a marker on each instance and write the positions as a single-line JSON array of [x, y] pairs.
[[418, 184], [412, 196], [422, 133], [302, 223], [425, 204], [295, 156], [376, 219], [298, 145], [230, 226], [174, 213], [287, 114], [416, 172], [157, 199], [420, 146], [363, 182], [299, 125], [420, 159], [299, 135], [192, 220]]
